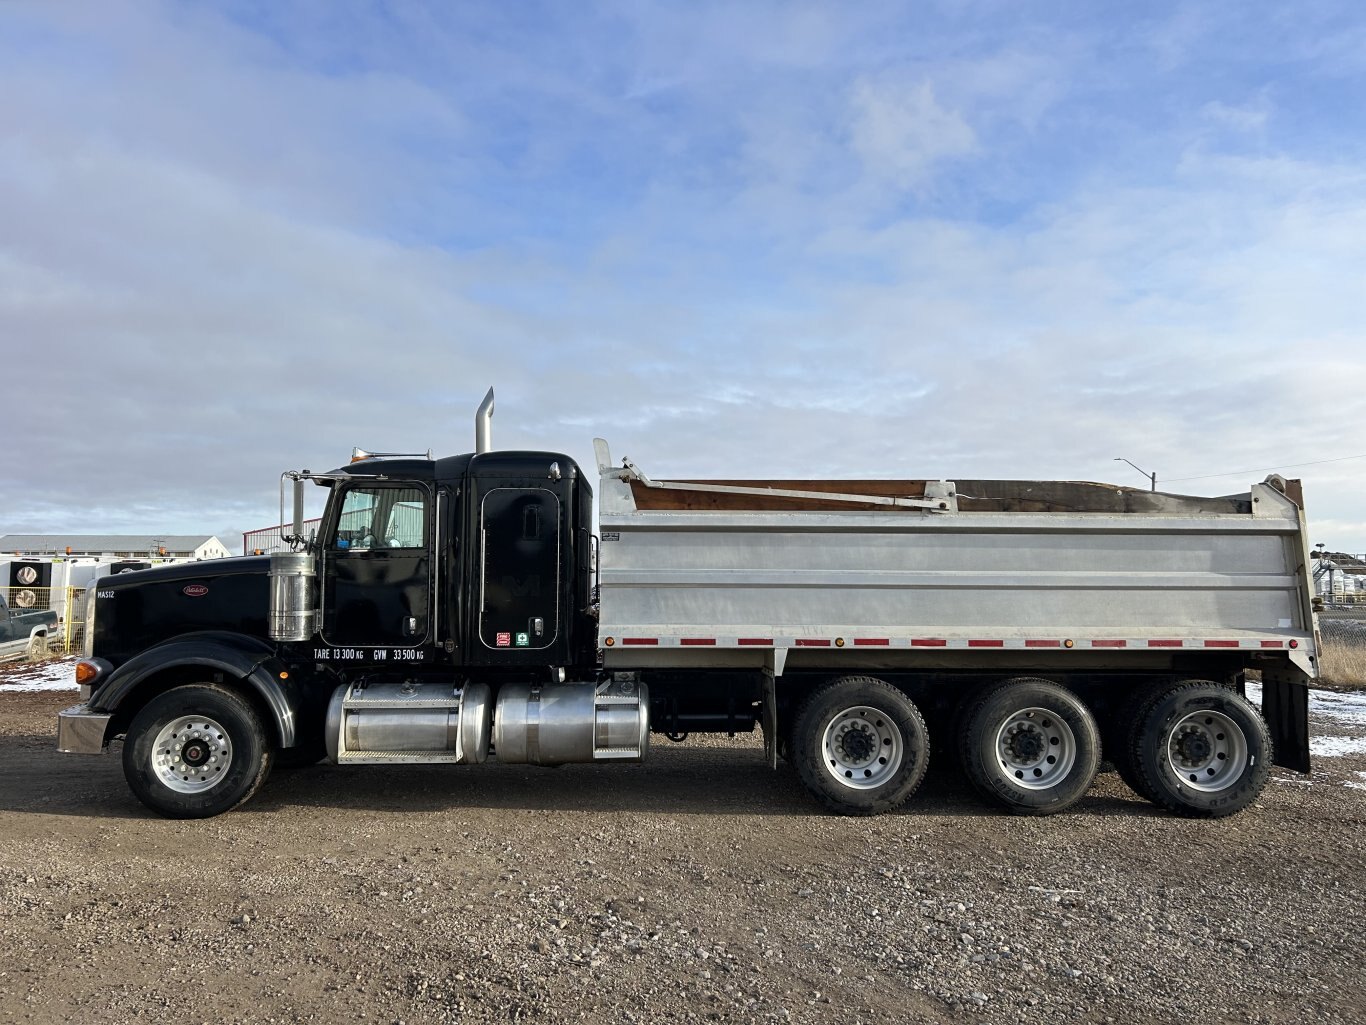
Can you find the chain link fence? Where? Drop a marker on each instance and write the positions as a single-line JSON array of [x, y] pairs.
[[271, 539]]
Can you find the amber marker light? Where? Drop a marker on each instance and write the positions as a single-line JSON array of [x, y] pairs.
[[609, 641], [839, 642], [1068, 643], [284, 676], [86, 673]]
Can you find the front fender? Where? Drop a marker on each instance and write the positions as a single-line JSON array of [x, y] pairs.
[[236, 655]]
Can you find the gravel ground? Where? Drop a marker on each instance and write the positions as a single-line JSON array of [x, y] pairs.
[[698, 886]]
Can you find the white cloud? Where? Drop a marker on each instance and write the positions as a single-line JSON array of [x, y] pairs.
[[1243, 118], [902, 132]]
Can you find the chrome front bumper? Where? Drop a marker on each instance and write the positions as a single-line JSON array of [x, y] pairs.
[[81, 731]]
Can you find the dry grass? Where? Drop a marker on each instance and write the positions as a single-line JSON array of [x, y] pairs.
[[1342, 666]]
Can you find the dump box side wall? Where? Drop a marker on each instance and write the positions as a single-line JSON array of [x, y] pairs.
[[692, 585]]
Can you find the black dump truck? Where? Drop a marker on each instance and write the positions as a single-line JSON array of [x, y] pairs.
[[468, 608]]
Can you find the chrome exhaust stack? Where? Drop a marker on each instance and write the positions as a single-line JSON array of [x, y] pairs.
[[483, 425]]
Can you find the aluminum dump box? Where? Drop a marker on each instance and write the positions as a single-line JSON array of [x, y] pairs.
[[743, 573]]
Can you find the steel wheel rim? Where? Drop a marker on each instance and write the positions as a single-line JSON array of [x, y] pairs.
[[1207, 751], [191, 754], [862, 748], [1035, 748]]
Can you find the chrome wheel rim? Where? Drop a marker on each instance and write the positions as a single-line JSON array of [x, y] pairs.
[[862, 748], [1035, 748], [1207, 751], [191, 754]]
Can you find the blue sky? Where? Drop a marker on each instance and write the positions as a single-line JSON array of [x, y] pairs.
[[923, 240]]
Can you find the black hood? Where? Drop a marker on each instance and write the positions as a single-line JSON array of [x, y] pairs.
[[203, 570], [137, 609]]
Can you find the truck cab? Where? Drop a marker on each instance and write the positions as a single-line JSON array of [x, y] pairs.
[[476, 563], [438, 598]]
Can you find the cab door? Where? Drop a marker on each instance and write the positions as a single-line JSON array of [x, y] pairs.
[[377, 567]]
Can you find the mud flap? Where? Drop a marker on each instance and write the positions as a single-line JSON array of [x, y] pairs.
[[769, 721], [1285, 707]]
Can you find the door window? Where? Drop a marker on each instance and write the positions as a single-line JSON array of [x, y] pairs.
[[382, 518]]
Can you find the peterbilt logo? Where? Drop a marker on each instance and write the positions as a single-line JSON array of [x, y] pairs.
[[194, 590]]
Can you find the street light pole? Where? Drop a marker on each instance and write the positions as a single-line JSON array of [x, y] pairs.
[[1152, 477]]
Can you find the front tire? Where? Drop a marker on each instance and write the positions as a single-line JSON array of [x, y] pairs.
[[860, 746], [37, 648], [1201, 750], [1032, 746], [196, 751]]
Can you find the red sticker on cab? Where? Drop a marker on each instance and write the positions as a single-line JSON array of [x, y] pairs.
[[505, 640]]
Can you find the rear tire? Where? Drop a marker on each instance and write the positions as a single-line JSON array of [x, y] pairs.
[[196, 751], [1128, 719], [1032, 746], [860, 746], [1202, 750]]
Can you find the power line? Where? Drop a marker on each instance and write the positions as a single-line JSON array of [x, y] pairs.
[[1264, 469]]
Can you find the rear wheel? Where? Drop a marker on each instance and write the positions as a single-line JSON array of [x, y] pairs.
[[196, 751], [1032, 746], [1201, 750], [860, 746]]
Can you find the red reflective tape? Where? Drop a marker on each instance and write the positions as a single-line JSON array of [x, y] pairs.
[[813, 642], [687, 641], [1109, 644], [1043, 644], [1221, 644], [986, 644], [1164, 644], [640, 640], [928, 642], [1273, 644], [880, 642], [766, 642]]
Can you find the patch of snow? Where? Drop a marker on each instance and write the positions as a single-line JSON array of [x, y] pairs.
[[1337, 747], [1344, 708], [1338, 709], [1359, 783], [57, 674]]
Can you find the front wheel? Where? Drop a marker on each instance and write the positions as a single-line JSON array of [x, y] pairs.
[[860, 746], [1201, 750], [37, 648], [1032, 746], [196, 751]]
